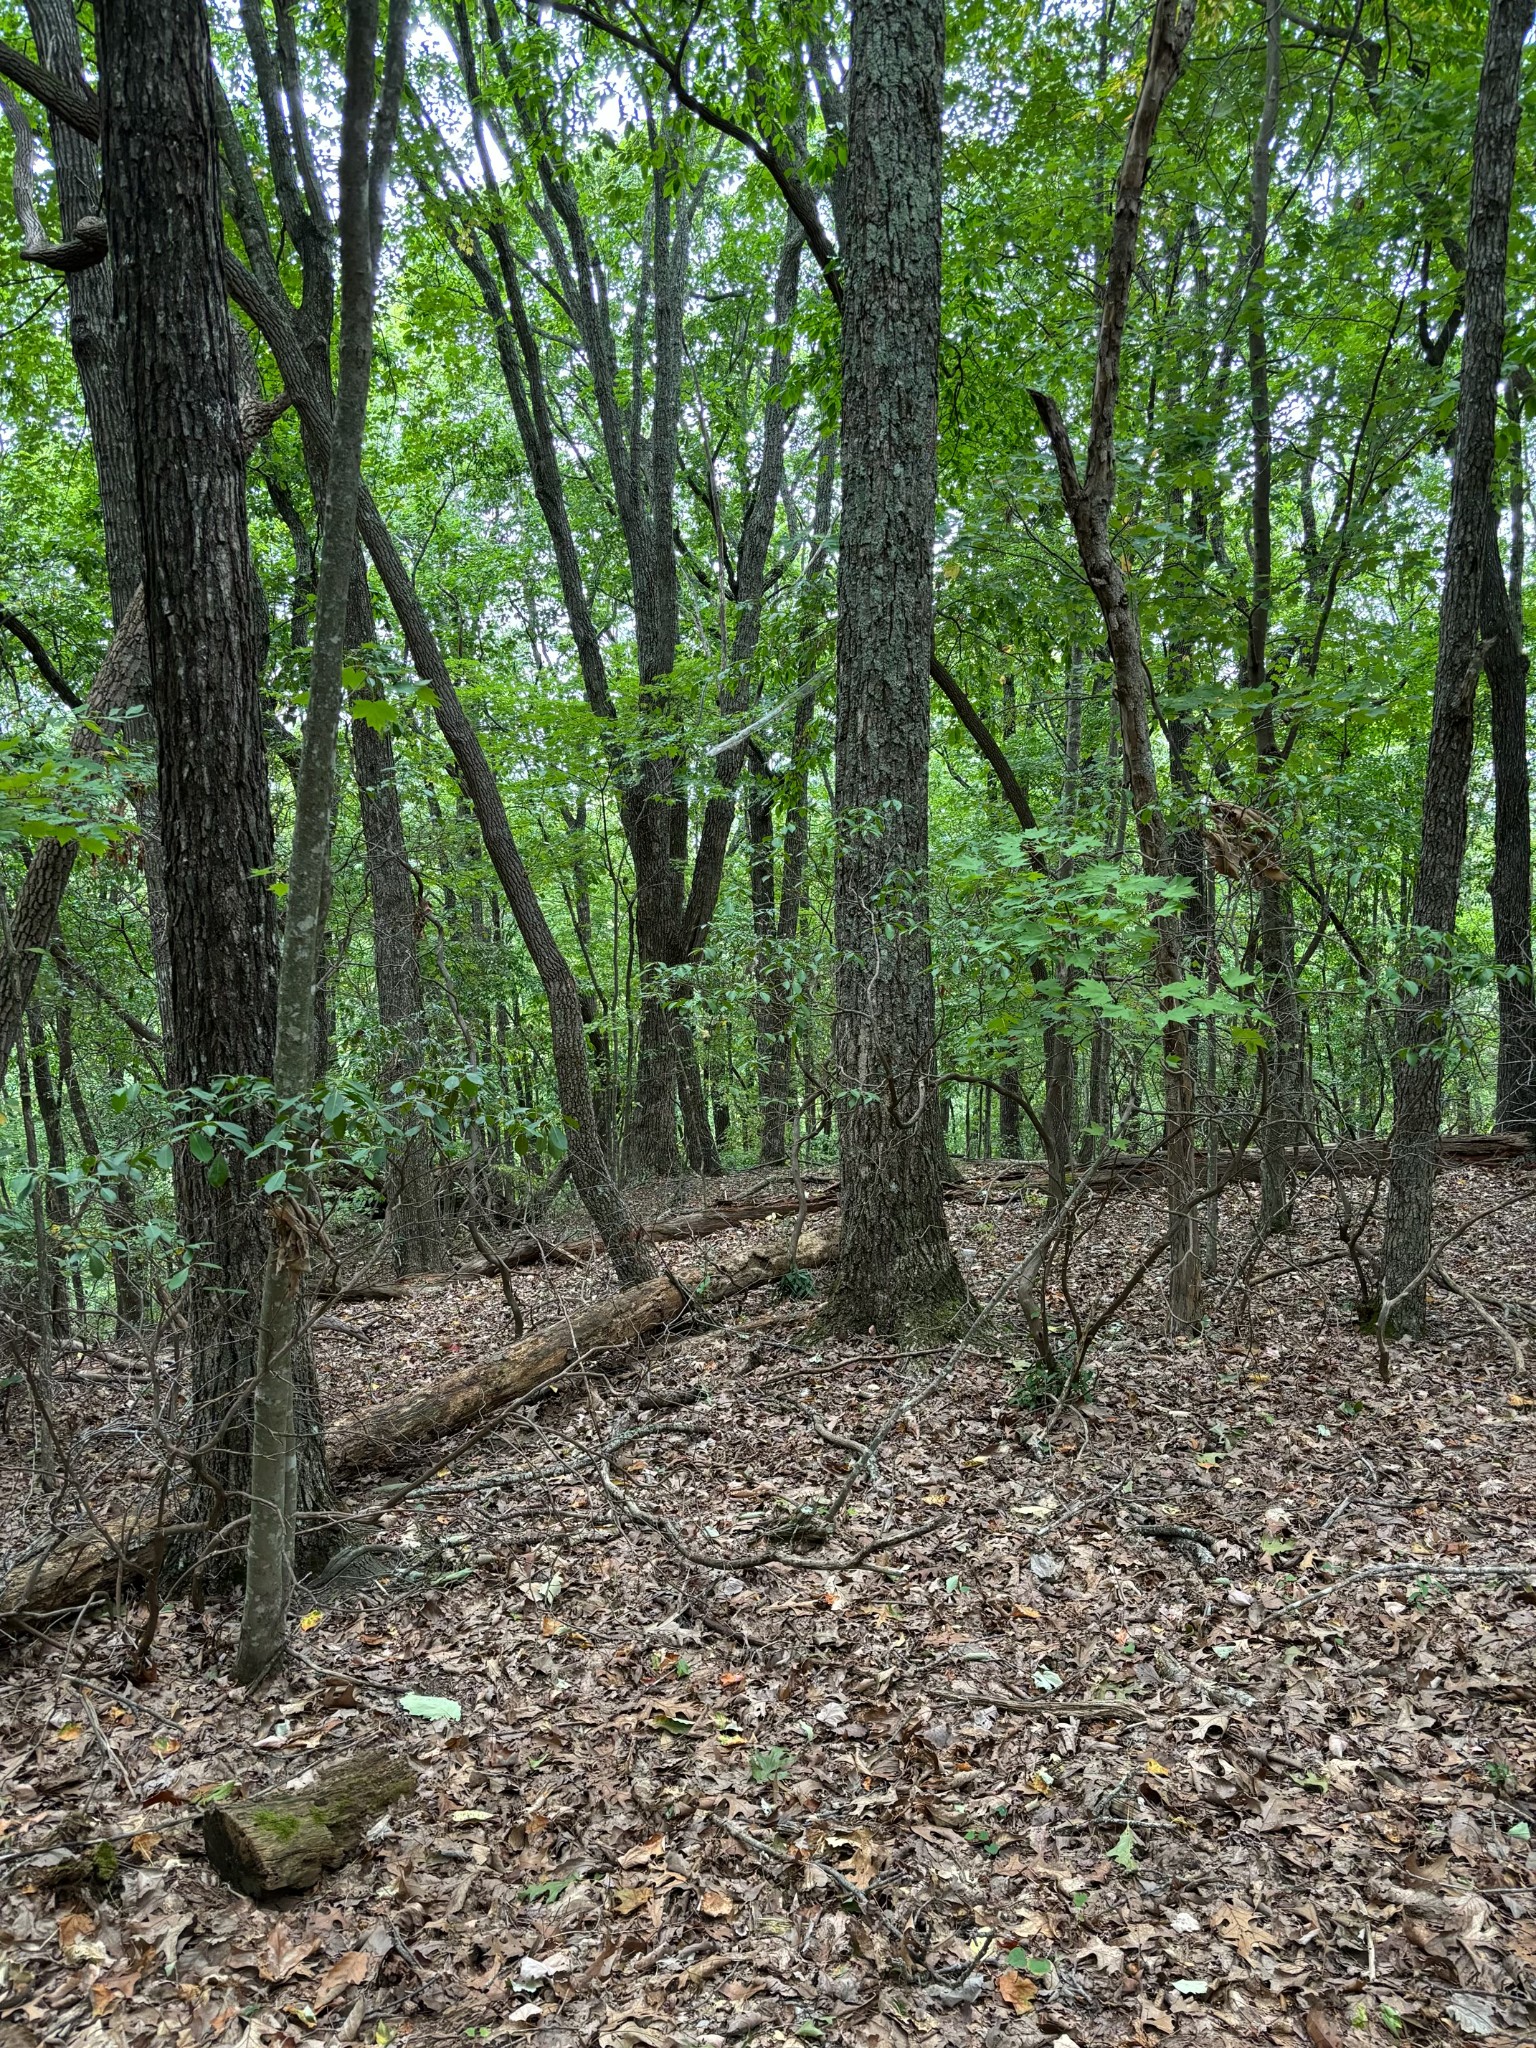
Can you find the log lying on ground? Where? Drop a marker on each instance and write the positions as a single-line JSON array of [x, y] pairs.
[[532, 1249], [382, 1432], [1352, 1156], [286, 1841], [80, 1563], [86, 1562]]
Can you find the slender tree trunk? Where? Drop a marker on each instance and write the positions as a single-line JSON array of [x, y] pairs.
[[1280, 1131], [1089, 500], [1510, 892], [1418, 1068], [896, 1271], [55, 1195], [126, 1294], [419, 1243]]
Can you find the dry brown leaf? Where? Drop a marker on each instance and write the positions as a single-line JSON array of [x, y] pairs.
[[1017, 1991], [716, 1905], [282, 1955], [642, 1853], [1324, 2030], [629, 1898], [349, 1968]]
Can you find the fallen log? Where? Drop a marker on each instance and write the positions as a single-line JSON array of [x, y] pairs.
[[80, 1563], [379, 1433], [286, 1841], [85, 1562], [533, 1249]]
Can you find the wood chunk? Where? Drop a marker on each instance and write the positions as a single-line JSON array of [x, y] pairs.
[[286, 1841]]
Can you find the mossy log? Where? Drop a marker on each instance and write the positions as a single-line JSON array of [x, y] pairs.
[[286, 1841]]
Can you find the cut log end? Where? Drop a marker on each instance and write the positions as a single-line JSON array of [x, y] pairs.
[[287, 1841]]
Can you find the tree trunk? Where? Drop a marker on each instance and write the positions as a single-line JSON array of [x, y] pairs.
[[1418, 1069], [1089, 500], [93, 344], [1280, 1131], [896, 1271], [203, 622], [125, 1289], [365, 149], [1510, 891], [419, 1243], [55, 1195]]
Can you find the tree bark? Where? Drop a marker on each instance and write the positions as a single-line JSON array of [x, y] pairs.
[[1280, 1131], [420, 1246], [1089, 500], [896, 1271], [204, 631], [287, 1841], [1418, 1068], [1510, 892], [94, 346]]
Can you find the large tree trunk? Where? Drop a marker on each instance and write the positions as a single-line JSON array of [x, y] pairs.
[[1418, 1070], [94, 345], [896, 1271], [204, 628]]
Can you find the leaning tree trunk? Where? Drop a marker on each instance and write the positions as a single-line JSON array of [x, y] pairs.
[[896, 1271], [1089, 500], [204, 630], [1418, 1069]]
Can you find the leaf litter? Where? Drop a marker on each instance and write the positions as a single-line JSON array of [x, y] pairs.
[[1203, 1714]]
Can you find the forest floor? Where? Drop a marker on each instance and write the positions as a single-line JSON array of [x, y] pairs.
[[1049, 1770]]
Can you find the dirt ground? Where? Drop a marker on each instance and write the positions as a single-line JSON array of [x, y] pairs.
[[1198, 1712]]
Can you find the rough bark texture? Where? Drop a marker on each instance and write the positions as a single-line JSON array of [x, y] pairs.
[[1510, 892], [287, 1841], [94, 345], [204, 628], [1418, 1069], [896, 1271]]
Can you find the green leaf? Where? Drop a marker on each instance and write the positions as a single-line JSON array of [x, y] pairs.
[[218, 1173], [1124, 1851], [428, 1708], [200, 1145]]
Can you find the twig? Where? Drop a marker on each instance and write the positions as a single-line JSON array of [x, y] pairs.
[[1407, 1568], [1075, 1710]]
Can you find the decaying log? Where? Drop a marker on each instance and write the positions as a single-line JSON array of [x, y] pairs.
[[86, 1562], [286, 1841], [533, 1249], [81, 1563], [450, 1404]]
